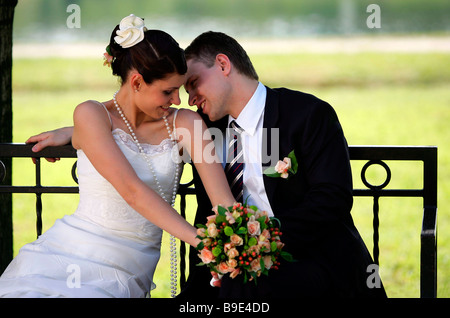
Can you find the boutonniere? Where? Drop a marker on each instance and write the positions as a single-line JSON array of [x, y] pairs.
[[284, 168]]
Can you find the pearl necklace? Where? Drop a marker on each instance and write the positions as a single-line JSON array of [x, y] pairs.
[[173, 243]]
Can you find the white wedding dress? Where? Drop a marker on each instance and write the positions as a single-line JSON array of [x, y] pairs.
[[104, 249]]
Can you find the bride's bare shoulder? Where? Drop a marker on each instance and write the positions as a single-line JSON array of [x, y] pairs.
[[90, 108]]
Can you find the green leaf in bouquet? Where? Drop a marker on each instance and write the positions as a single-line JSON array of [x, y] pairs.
[[238, 223], [246, 200], [252, 241], [220, 219], [221, 210], [201, 226], [273, 246], [255, 277], [262, 223], [261, 263], [241, 230], [287, 256], [272, 219], [200, 246], [228, 230]]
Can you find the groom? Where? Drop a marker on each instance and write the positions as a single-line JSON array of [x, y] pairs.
[[313, 205]]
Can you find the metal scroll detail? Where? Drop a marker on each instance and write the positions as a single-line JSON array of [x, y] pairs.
[[376, 204]]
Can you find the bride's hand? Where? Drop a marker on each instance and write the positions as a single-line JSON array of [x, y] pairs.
[[216, 280], [57, 137]]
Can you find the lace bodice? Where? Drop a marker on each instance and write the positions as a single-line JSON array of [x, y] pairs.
[[100, 203]]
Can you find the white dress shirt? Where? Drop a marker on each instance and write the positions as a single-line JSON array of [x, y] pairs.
[[251, 120]]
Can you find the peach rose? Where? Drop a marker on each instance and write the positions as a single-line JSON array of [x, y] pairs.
[[207, 241], [206, 256], [232, 263], [232, 253], [253, 227], [201, 232], [227, 247], [264, 246], [223, 268], [283, 167], [254, 248], [267, 261], [230, 217], [280, 245], [235, 272], [236, 240], [255, 265], [210, 219], [261, 213], [212, 230]]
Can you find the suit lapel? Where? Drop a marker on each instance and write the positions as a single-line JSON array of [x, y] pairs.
[[270, 121]]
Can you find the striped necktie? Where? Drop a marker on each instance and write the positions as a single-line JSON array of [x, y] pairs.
[[234, 167]]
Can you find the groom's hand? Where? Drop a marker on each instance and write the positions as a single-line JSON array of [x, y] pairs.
[[57, 137]]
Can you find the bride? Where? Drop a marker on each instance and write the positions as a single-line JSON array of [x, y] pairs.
[[128, 170]]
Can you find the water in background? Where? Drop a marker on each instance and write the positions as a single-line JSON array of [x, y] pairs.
[[44, 21]]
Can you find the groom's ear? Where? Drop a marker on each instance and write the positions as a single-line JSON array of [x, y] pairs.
[[223, 62]]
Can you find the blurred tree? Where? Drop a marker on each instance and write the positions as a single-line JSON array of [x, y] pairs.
[[6, 25]]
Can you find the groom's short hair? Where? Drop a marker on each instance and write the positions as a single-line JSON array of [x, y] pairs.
[[206, 46]]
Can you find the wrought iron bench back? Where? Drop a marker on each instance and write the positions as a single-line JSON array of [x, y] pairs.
[[373, 155]]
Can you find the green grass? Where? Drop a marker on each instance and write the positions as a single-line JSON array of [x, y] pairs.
[[381, 99]]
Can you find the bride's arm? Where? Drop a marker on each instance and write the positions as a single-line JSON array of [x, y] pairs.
[[196, 139], [57, 137], [92, 134]]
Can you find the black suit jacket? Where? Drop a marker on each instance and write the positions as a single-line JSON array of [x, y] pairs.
[[313, 206]]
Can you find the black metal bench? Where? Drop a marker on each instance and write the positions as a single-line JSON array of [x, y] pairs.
[[371, 154]]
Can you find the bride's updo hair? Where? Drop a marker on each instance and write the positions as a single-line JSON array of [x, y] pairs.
[[155, 57]]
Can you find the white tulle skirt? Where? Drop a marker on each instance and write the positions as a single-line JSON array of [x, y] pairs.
[[78, 258]]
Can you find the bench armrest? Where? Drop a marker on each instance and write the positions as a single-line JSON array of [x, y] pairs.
[[428, 253]]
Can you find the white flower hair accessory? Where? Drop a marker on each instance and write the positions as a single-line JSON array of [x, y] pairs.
[[131, 31]]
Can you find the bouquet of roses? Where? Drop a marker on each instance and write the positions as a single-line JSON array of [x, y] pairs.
[[241, 239]]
